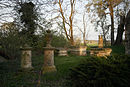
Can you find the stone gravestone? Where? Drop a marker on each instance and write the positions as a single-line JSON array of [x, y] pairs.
[[100, 51], [48, 65], [127, 32], [100, 42], [80, 51], [61, 52], [26, 62]]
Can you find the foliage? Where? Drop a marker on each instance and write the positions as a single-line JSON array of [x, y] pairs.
[[28, 16], [12, 76], [100, 72], [117, 50], [102, 8], [11, 34], [66, 15], [59, 41], [10, 42]]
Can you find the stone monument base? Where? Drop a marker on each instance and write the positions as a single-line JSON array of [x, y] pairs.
[[48, 65], [27, 69], [80, 51], [26, 62], [61, 52], [100, 52], [47, 69]]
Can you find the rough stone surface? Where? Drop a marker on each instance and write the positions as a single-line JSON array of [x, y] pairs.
[[100, 51], [61, 52], [48, 65], [100, 42], [80, 51], [26, 62], [48, 38]]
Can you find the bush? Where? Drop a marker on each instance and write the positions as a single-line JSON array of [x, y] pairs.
[[10, 43], [100, 72], [59, 41], [116, 50]]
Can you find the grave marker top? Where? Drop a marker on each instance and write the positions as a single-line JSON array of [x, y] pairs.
[[100, 41], [48, 38]]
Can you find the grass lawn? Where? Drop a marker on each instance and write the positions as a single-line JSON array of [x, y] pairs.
[[12, 76]]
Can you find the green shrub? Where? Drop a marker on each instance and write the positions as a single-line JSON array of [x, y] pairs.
[[119, 49], [100, 72], [59, 41], [10, 43]]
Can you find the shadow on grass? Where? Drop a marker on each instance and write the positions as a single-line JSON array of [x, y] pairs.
[[12, 76]]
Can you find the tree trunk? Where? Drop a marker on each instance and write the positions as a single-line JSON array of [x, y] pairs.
[[68, 35], [104, 35], [84, 39], [112, 29], [84, 32], [112, 22], [120, 31], [71, 21], [63, 18], [127, 30], [104, 40]]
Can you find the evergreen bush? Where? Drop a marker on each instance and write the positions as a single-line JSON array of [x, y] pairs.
[[100, 72]]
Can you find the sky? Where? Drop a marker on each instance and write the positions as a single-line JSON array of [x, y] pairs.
[[80, 9], [78, 17], [91, 34]]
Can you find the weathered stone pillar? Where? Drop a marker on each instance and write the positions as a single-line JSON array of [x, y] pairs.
[[100, 42], [26, 62], [48, 65]]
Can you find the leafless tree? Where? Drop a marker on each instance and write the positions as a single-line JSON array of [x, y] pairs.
[[100, 8]]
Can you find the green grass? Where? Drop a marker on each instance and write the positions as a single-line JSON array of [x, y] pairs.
[[96, 44], [12, 76]]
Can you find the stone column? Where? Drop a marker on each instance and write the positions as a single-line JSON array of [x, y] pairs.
[[26, 62], [100, 42], [48, 65]]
